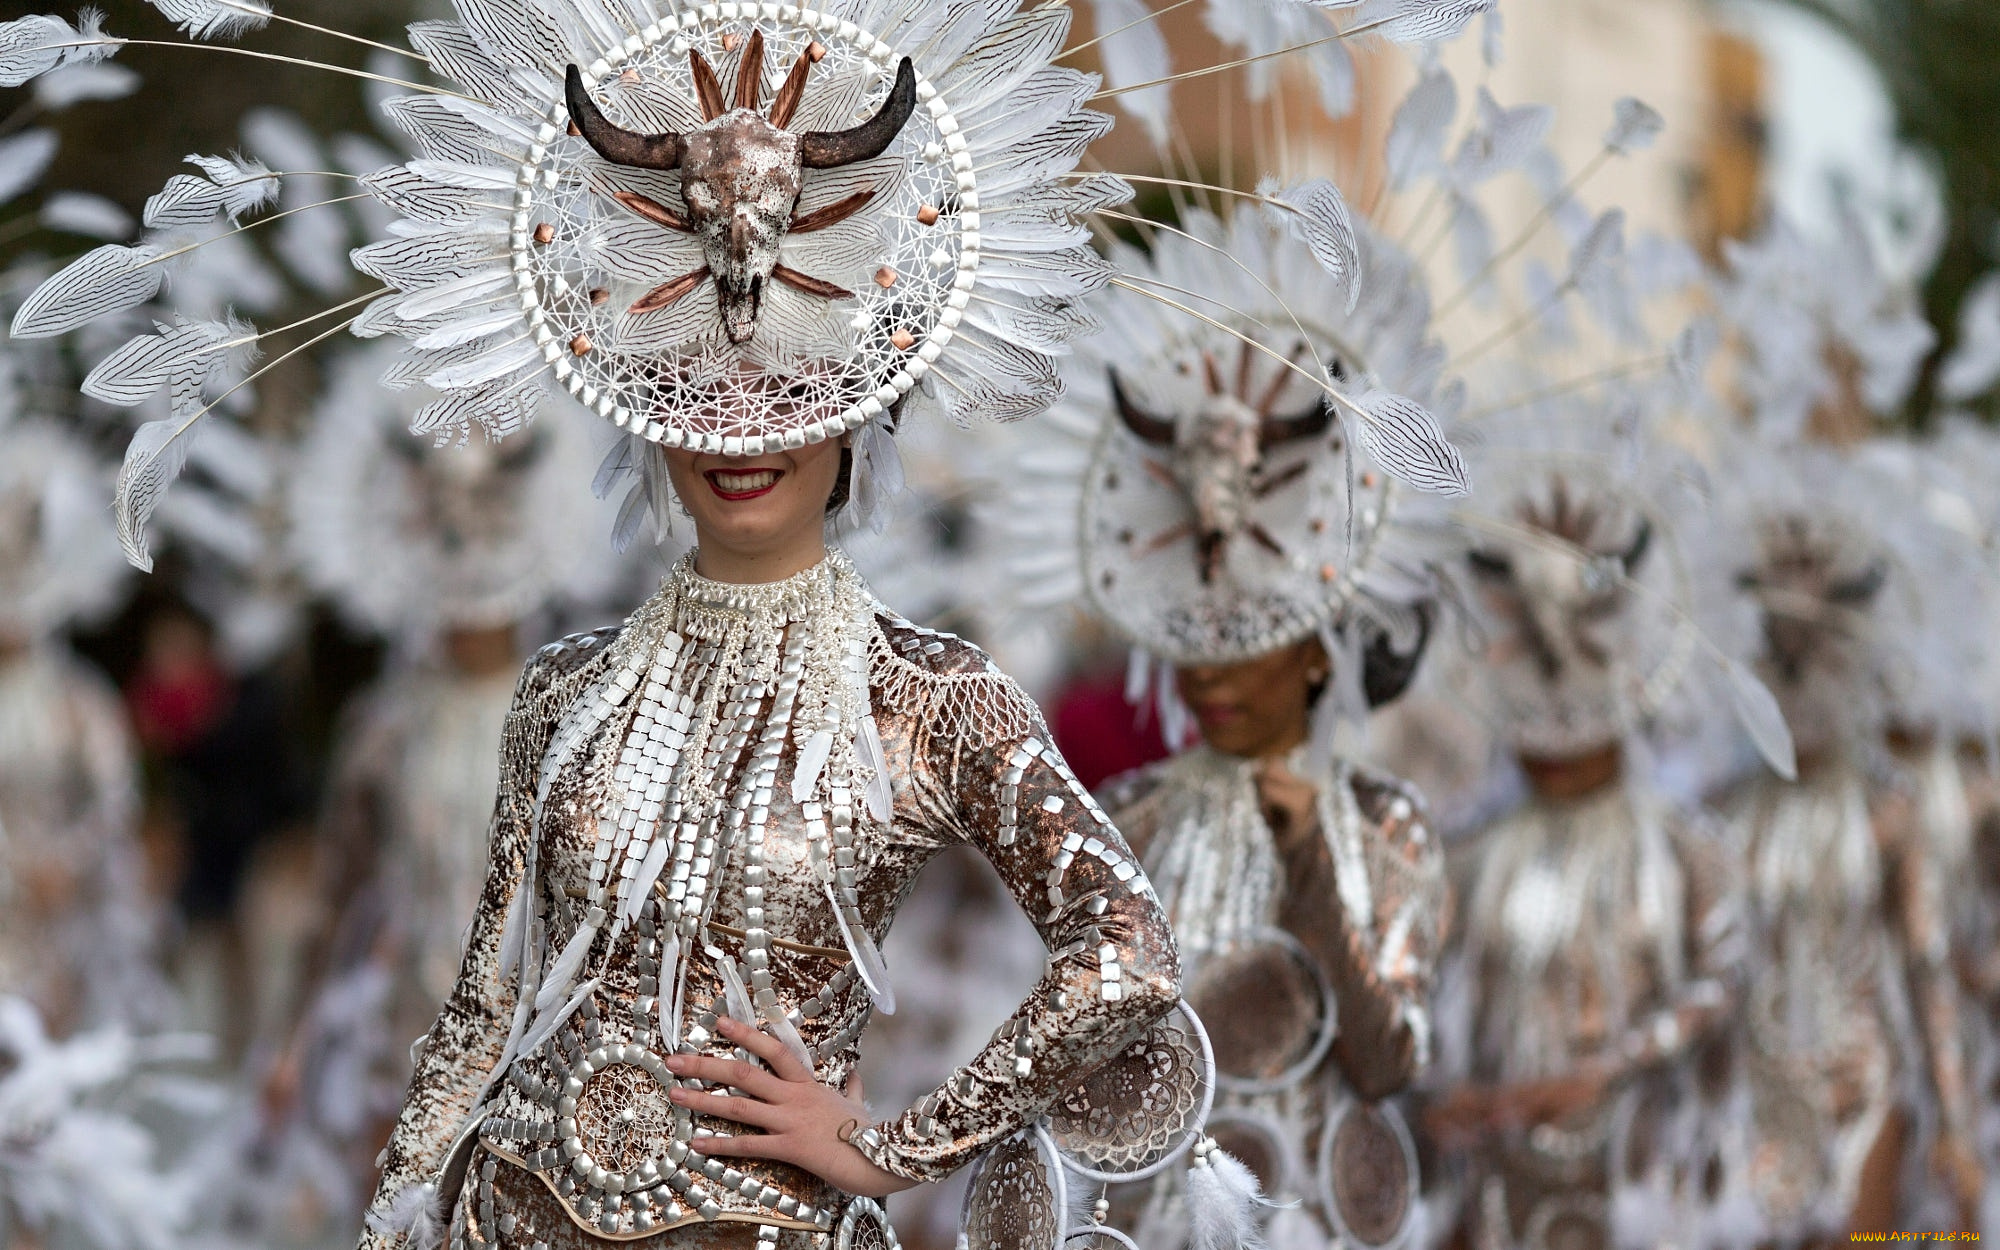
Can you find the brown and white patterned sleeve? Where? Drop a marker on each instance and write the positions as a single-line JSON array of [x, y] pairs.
[[466, 1041], [1373, 914], [1113, 970]]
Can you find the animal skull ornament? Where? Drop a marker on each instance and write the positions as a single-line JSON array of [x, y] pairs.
[[1216, 458], [469, 496], [1816, 601], [741, 175], [1567, 666], [1558, 597]]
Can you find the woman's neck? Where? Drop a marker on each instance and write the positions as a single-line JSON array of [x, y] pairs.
[[1574, 777], [749, 567]]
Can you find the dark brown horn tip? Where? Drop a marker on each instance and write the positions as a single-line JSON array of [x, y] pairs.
[[613, 143], [1274, 431], [830, 149], [1144, 426]]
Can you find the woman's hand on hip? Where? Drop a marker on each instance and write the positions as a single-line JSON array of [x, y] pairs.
[[803, 1122]]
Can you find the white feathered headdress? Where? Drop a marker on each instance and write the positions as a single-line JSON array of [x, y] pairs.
[[59, 560], [729, 226], [1201, 489], [1598, 578], [409, 538]]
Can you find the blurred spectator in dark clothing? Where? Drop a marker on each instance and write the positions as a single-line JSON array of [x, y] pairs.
[[223, 778], [220, 750]]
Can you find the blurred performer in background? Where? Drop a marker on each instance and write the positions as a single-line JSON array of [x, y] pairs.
[[78, 926], [1853, 1035], [708, 817], [1204, 488], [1597, 936], [446, 553]]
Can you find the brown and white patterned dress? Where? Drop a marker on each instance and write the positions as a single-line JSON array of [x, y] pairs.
[[1311, 957], [719, 807]]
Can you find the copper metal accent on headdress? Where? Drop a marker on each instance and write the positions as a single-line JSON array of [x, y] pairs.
[[741, 175]]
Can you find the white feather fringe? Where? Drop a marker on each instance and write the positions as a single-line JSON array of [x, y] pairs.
[[417, 1213], [1223, 1197]]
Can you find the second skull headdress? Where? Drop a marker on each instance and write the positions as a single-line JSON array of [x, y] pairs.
[[1207, 495]]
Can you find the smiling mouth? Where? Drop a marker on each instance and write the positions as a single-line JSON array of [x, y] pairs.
[[740, 484], [1215, 713]]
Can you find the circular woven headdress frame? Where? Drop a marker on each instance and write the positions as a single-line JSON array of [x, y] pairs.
[[1201, 491], [587, 268]]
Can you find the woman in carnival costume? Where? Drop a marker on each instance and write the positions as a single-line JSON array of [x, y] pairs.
[[1597, 938], [76, 938], [447, 553], [1208, 502], [78, 928], [754, 237], [1852, 1034], [1852, 1031], [1961, 467]]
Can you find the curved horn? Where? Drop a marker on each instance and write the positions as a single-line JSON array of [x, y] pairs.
[[830, 149], [1272, 431], [1641, 543], [1144, 426], [613, 143], [1387, 672], [1861, 589]]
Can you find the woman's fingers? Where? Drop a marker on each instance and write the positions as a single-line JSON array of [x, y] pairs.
[[733, 1073], [742, 1110], [761, 1044], [744, 1146]]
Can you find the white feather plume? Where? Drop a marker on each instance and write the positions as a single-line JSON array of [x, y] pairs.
[[1634, 126], [1504, 139], [1416, 136], [1973, 367], [93, 216], [1758, 711], [184, 357], [34, 45], [1134, 50], [23, 159], [1321, 219], [1408, 443], [232, 187], [868, 959], [1421, 21], [103, 281], [215, 19], [87, 82], [155, 457], [415, 1212], [1222, 1201]]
